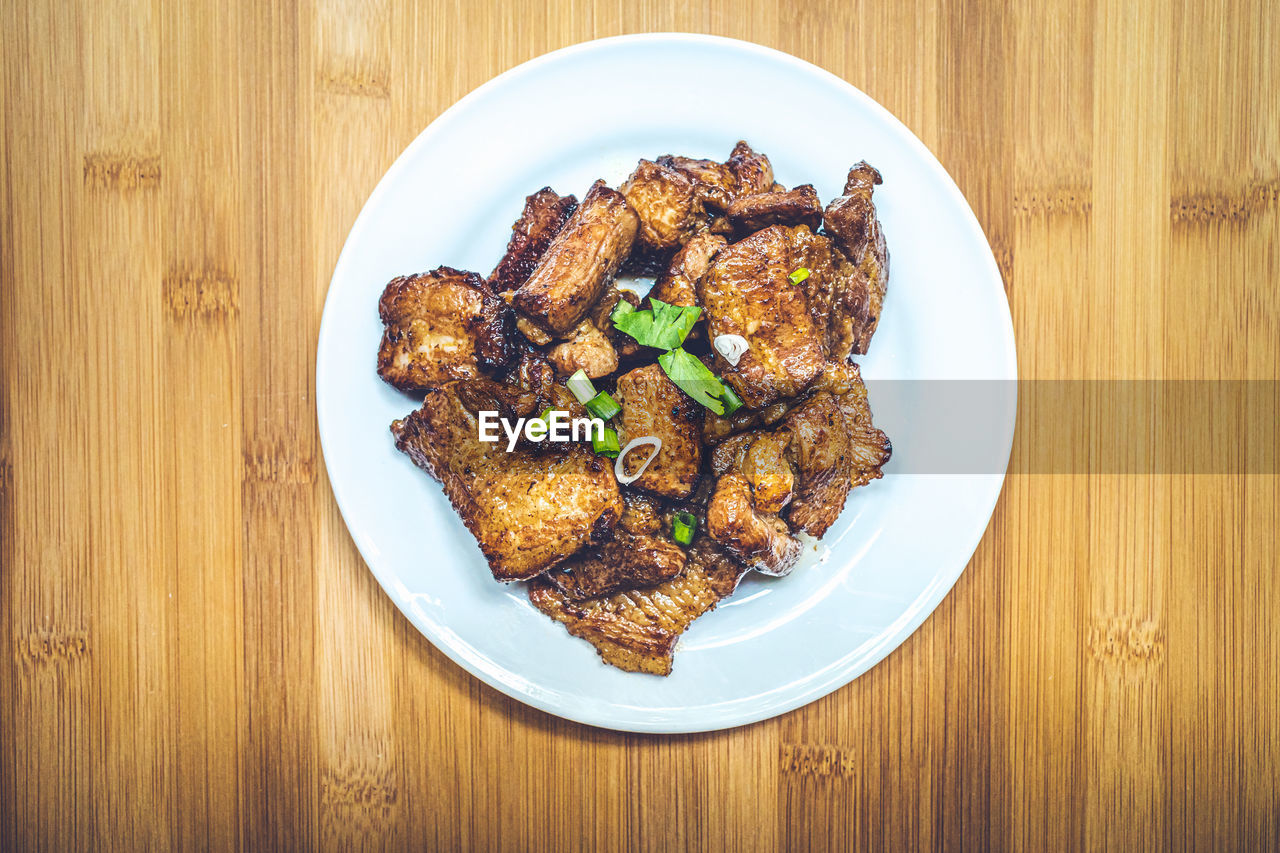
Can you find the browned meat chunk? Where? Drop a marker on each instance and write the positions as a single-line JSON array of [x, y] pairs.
[[748, 291], [580, 262], [819, 445], [870, 448], [637, 630], [528, 510], [588, 349], [652, 405], [752, 172], [761, 541], [761, 458], [679, 284], [439, 326], [545, 213], [638, 556], [851, 222], [664, 200], [800, 206]]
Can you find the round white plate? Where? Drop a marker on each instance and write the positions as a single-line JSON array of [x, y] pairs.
[[591, 111]]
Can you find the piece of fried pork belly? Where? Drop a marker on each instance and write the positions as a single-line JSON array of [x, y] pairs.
[[639, 555], [850, 220], [637, 630], [800, 206], [653, 406], [581, 261], [530, 509], [439, 326], [545, 213]]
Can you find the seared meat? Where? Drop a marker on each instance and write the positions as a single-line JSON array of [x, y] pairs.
[[870, 448], [800, 206], [545, 213], [761, 541], [439, 326], [664, 200], [679, 284], [588, 349], [580, 262], [638, 556], [760, 457], [528, 510], [747, 291], [851, 222], [752, 172], [652, 405], [820, 448], [637, 630]]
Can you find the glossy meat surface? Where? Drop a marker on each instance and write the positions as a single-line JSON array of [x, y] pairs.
[[545, 213], [851, 222], [747, 291], [652, 405], [637, 630], [577, 267], [528, 510], [439, 326]]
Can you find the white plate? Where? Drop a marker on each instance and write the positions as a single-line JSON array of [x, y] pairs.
[[592, 110]]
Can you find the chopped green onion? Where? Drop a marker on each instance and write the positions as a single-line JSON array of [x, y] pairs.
[[662, 327], [732, 402], [603, 406], [799, 275], [580, 384], [607, 445], [544, 419], [683, 525], [622, 309]]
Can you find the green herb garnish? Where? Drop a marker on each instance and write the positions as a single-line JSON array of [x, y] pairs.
[[694, 379], [663, 326], [799, 275], [683, 526], [603, 406], [607, 444]]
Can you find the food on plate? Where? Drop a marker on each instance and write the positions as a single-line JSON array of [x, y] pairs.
[[722, 414]]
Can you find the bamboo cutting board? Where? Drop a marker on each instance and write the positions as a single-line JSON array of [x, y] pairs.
[[194, 656]]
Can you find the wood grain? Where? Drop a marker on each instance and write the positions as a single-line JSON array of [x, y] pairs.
[[193, 655]]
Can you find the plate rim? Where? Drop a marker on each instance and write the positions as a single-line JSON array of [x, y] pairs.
[[920, 608]]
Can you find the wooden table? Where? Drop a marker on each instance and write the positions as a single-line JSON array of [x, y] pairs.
[[195, 656]]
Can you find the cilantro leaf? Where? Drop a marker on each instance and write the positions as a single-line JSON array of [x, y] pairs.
[[693, 378], [663, 326]]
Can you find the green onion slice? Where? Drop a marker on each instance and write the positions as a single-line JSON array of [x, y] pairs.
[[732, 402], [608, 445], [580, 384], [603, 406], [799, 275], [683, 526]]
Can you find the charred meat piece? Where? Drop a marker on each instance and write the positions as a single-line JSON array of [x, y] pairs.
[[800, 206], [637, 630], [761, 458], [652, 405], [820, 448], [679, 284], [870, 449], [529, 511], [439, 326], [545, 213], [580, 262], [665, 202], [752, 172], [748, 291], [638, 556], [588, 349], [760, 540], [851, 222]]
